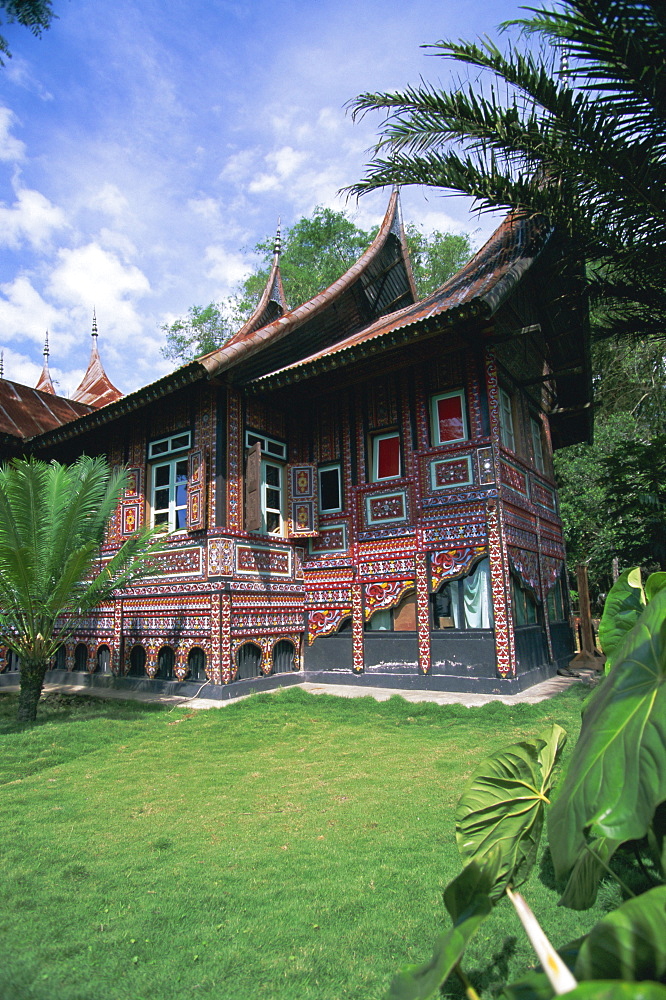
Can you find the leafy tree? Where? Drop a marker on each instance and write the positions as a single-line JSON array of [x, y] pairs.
[[571, 127], [33, 14], [316, 251], [435, 256], [52, 524], [202, 330], [592, 535]]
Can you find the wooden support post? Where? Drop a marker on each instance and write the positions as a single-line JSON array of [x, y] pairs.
[[589, 655]]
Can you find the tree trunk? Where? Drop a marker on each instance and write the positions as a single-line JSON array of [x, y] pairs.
[[32, 681]]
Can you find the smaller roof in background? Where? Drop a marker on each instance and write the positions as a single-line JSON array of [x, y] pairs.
[[96, 388], [25, 412]]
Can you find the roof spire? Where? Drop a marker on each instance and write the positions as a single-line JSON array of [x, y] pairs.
[[96, 389], [2, 364], [44, 383], [277, 246]]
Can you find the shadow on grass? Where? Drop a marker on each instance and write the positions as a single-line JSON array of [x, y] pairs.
[[55, 706], [488, 979]]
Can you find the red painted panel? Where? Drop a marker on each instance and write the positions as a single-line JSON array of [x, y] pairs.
[[388, 457], [449, 415]]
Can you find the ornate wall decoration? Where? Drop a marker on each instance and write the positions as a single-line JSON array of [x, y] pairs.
[[423, 612], [187, 561], [220, 556], [380, 596], [486, 470], [213, 658], [445, 473], [381, 508], [514, 477], [357, 629], [262, 559], [302, 501], [326, 621], [196, 491], [234, 460], [550, 571], [225, 640], [449, 564], [526, 565], [504, 639], [387, 567], [543, 495]]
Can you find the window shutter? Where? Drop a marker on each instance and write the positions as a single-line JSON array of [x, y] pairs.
[[196, 491], [302, 500], [253, 489], [131, 503]]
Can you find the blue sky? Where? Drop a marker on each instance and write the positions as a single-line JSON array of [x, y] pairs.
[[146, 146]]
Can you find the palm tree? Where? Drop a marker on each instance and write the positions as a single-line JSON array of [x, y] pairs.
[[572, 127], [52, 524]]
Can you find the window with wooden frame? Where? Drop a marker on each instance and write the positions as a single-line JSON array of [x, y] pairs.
[[386, 463], [448, 418], [168, 480], [507, 433], [330, 488], [264, 484], [537, 444]]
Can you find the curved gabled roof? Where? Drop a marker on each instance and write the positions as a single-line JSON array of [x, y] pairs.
[[272, 304], [478, 288], [378, 283], [96, 388]]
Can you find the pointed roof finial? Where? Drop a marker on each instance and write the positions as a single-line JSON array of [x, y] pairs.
[[44, 383], [96, 389], [2, 364], [277, 246]]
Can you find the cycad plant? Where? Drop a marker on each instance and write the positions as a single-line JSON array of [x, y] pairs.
[[569, 122], [52, 524]]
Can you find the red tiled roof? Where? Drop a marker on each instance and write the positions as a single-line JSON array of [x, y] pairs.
[[25, 412]]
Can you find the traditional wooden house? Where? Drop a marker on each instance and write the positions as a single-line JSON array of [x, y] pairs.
[[358, 490]]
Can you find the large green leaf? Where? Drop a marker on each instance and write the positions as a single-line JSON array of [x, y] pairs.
[[629, 943], [654, 583], [623, 608], [657, 837], [617, 774], [614, 989], [536, 984], [581, 889], [467, 900], [503, 805]]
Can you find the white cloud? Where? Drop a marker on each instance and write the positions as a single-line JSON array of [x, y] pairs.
[[226, 269], [32, 218], [91, 276], [206, 208], [283, 164], [25, 315], [110, 200], [12, 150]]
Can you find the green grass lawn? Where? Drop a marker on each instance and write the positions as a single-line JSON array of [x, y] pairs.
[[286, 846]]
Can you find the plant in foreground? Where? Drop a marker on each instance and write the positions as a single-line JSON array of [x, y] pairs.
[[613, 794], [52, 524]]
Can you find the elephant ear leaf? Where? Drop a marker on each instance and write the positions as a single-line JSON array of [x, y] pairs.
[[629, 943], [617, 773], [654, 583], [467, 900], [503, 806], [613, 989], [623, 608], [583, 885]]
